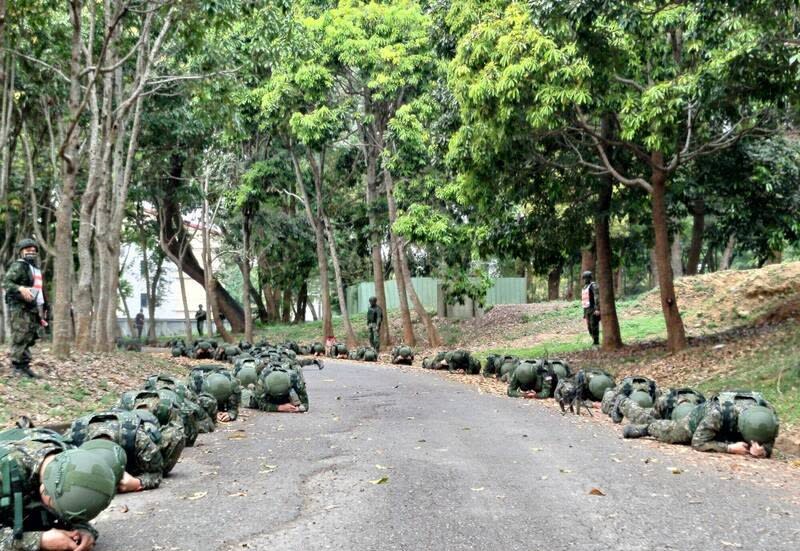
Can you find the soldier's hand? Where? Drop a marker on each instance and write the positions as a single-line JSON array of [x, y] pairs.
[[129, 484], [26, 294], [85, 541], [223, 417], [757, 450], [529, 395], [288, 408], [739, 448], [59, 540]]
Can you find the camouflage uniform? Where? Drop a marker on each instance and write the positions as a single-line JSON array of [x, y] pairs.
[[297, 394], [173, 434], [23, 316], [590, 300], [196, 418], [137, 433], [544, 384], [705, 428], [374, 321], [195, 382], [27, 449]]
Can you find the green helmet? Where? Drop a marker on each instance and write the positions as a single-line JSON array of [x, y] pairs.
[[111, 452], [682, 410], [642, 398], [219, 386], [405, 350], [247, 375], [80, 484], [598, 384], [758, 424], [370, 355], [278, 383], [526, 373], [507, 367], [25, 243], [170, 395]]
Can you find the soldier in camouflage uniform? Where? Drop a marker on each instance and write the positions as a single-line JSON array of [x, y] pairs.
[[196, 420], [23, 286], [280, 389], [49, 492], [203, 350], [741, 423], [374, 322], [169, 417], [402, 355], [215, 381], [139, 435], [532, 379], [673, 404], [643, 391]]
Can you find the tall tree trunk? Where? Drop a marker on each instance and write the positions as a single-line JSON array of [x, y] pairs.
[[619, 282], [612, 337], [434, 340], [302, 300], [69, 154], [340, 291], [727, 254], [653, 276], [187, 319], [676, 333], [397, 251], [698, 229], [314, 316], [676, 255], [375, 246], [554, 283], [245, 268], [286, 308]]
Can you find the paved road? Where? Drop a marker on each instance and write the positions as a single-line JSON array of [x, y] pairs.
[[465, 471]]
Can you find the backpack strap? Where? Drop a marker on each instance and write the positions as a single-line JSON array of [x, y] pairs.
[[11, 491]]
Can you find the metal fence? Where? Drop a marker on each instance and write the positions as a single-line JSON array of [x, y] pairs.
[[504, 290]]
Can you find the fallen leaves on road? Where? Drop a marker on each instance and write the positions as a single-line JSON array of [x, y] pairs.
[[381, 480], [596, 492], [480, 489], [195, 496], [675, 470], [564, 471]]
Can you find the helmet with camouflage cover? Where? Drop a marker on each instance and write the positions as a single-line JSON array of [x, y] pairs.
[[245, 345], [587, 275], [370, 355], [507, 367], [682, 410], [318, 348], [758, 424], [404, 350], [150, 399], [599, 382], [111, 452], [219, 386], [80, 484], [642, 398], [278, 383], [247, 374], [25, 243]]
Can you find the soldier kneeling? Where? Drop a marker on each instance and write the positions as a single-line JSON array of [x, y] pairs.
[[402, 355]]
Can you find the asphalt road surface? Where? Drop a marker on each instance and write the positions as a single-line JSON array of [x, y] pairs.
[[458, 470]]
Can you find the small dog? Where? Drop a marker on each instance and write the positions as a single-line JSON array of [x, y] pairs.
[[570, 392]]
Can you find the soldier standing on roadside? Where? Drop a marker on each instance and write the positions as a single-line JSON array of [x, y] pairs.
[[590, 300], [200, 317], [23, 286], [374, 321], [139, 323]]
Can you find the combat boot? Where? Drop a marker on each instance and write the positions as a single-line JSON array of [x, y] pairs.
[[634, 431], [24, 370]]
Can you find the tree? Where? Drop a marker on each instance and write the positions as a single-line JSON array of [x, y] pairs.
[[677, 82]]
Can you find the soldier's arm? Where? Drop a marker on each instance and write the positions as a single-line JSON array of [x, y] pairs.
[[233, 404], [596, 292], [704, 438], [13, 280], [30, 541], [303, 395], [513, 388], [151, 461]]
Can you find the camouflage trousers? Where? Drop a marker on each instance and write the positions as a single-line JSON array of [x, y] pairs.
[[173, 441], [635, 413], [671, 432], [593, 325], [24, 333], [374, 336]]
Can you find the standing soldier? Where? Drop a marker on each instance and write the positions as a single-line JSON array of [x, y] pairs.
[[23, 286], [139, 323], [200, 316], [590, 299], [374, 321]]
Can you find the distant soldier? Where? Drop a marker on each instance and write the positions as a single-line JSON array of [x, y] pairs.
[[200, 318], [590, 300], [374, 322], [138, 322], [23, 286]]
